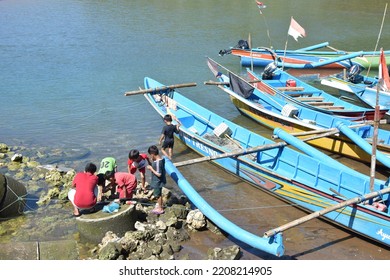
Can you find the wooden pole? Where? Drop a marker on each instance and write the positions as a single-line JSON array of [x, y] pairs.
[[322, 212], [240, 152], [214, 83], [374, 140], [157, 89], [316, 131]]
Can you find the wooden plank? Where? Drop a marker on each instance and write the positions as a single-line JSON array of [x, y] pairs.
[[299, 94], [319, 103], [290, 88], [331, 107], [314, 98]]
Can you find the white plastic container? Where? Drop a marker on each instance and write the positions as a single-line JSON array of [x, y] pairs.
[[222, 129]]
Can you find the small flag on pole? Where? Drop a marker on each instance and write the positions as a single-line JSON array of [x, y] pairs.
[[295, 30], [261, 6], [213, 67], [384, 79]]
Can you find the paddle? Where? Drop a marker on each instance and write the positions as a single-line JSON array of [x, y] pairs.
[[249, 150], [158, 89], [326, 210]]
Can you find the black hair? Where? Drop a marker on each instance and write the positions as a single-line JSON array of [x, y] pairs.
[[153, 150], [109, 174], [133, 154], [168, 118], [91, 168]]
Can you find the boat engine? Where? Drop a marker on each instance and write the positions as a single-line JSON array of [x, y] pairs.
[[242, 44], [269, 71], [353, 74]]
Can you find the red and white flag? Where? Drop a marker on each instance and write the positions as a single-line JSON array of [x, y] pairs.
[[261, 6], [384, 79], [296, 30]]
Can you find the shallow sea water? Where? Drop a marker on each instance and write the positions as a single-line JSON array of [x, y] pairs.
[[67, 64]]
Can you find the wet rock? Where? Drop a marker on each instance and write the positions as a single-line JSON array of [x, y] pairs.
[[128, 243], [196, 220], [161, 226], [109, 237], [109, 251], [52, 193], [4, 148], [230, 253], [177, 235], [17, 157], [178, 210], [212, 227], [53, 177], [14, 166]]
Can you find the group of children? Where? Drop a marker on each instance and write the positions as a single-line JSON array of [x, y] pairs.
[[88, 188]]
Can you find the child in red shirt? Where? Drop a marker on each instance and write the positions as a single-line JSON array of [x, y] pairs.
[[125, 183], [84, 191], [138, 162]]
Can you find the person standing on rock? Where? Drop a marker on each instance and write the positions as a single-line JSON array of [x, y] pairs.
[[138, 161], [84, 191], [167, 139], [158, 179]]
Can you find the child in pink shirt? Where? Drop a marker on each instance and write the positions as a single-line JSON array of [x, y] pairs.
[[125, 183]]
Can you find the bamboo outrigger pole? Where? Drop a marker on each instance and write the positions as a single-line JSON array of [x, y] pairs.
[[157, 89], [316, 131], [240, 152], [374, 139], [322, 212]]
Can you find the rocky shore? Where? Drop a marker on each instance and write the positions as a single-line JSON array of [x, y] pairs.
[[47, 214]]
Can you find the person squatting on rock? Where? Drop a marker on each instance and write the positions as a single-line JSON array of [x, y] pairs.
[[124, 182], [84, 191], [107, 164]]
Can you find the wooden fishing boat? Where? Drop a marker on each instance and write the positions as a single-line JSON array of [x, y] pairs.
[[305, 58], [364, 87], [277, 82], [353, 138], [365, 91], [313, 181]]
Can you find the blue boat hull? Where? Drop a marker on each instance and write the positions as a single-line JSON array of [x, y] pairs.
[[286, 173]]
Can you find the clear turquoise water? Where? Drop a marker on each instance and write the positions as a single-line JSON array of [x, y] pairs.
[[65, 65]]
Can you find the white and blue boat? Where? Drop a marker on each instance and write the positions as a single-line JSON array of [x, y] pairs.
[[277, 82], [364, 87], [353, 138], [309, 179]]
